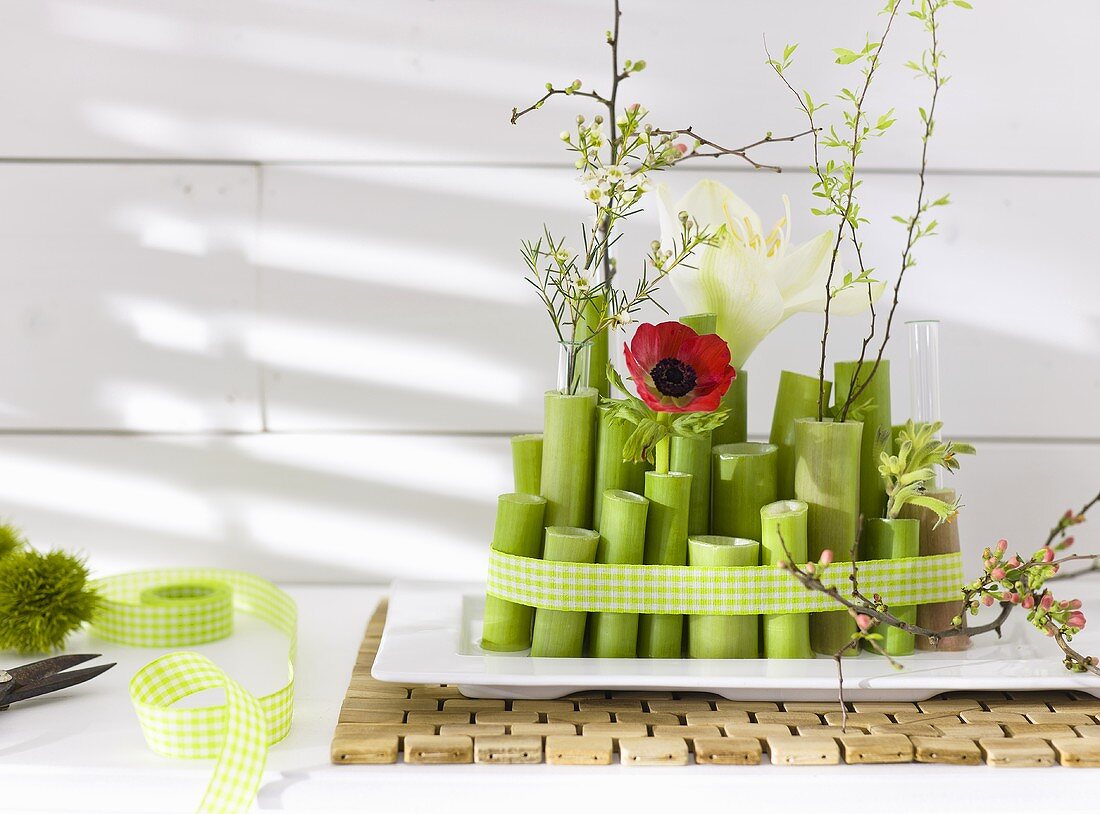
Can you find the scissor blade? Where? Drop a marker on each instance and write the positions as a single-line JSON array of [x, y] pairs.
[[60, 681], [36, 671]]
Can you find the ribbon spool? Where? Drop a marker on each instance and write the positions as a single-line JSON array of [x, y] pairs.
[[183, 607]]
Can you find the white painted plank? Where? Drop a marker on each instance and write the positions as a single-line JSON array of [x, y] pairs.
[[393, 297], [423, 80], [346, 508], [125, 291]]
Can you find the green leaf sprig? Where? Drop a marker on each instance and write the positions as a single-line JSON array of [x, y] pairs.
[[649, 428], [905, 474]]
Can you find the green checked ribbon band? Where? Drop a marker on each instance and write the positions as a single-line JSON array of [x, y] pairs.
[[713, 591], [183, 607]]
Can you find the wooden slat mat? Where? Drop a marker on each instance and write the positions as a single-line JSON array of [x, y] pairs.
[[381, 723]]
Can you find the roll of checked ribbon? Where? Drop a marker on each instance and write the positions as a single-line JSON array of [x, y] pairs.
[[184, 607]]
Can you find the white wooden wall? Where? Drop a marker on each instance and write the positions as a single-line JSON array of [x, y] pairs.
[[262, 295]]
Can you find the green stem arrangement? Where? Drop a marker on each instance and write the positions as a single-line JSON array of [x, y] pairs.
[[783, 530], [669, 493], [728, 636], [622, 542], [826, 478], [692, 456], [518, 530], [612, 472], [527, 463], [735, 430], [797, 398], [868, 392], [569, 431], [662, 456], [594, 330], [743, 479], [560, 634], [891, 540]]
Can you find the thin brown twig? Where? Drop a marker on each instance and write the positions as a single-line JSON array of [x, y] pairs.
[[517, 114], [719, 151], [1086, 663], [911, 236], [1061, 527]]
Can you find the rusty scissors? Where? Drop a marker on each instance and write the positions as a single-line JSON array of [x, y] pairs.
[[48, 675]]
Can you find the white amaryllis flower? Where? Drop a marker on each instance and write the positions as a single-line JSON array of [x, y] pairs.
[[751, 280]]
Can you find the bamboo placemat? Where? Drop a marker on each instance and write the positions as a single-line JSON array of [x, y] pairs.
[[431, 724]]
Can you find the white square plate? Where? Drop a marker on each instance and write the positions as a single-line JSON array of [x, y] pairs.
[[433, 628]]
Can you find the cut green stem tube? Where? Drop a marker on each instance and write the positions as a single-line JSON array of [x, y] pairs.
[[518, 530], [702, 324], [622, 542], [692, 455], [661, 636], [826, 478], [568, 447], [797, 398], [723, 637], [612, 472], [560, 634], [527, 463], [591, 316], [872, 407], [891, 540], [743, 479], [736, 428], [783, 538]]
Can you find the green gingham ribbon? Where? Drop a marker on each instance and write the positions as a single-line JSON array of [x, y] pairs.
[[183, 607], [717, 591]]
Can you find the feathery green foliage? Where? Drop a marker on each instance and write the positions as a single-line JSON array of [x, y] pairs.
[[11, 539]]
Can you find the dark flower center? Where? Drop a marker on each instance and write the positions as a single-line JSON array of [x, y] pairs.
[[673, 377]]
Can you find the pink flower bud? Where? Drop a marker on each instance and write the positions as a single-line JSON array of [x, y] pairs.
[[987, 600], [1029, 602], [826, 556], [1076, 619], [1006, 596], [1014, 562], [1066, 543], [1046, 602], [634, 107], [1048, 555], [998, 573], [810, 568], [864, 621], [1073, 604], [1001, 546], [1014, 598], [681, 148]]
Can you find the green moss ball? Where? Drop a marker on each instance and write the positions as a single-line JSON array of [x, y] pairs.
[[43, 598], [11, 539]]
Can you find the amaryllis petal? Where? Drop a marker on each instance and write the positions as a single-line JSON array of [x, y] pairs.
[[751, 280], [731, 283], [805, 267]]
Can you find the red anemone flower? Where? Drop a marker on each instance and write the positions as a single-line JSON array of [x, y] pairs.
[[678, 371]]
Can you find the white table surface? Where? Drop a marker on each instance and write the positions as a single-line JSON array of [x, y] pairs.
[[82, 751]]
